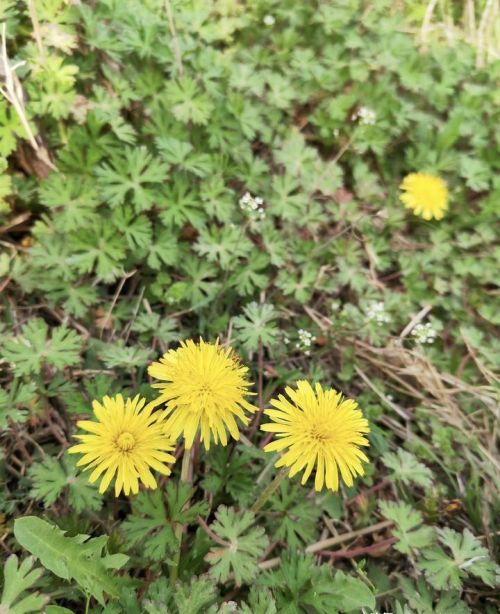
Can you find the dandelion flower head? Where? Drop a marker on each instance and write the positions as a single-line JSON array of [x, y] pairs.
[[203, 387], [318, 429], [127, 441], [425, 194]]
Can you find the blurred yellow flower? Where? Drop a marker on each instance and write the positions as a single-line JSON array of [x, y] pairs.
[[204, 389], [426, 194], [127, 440], [319, 430]]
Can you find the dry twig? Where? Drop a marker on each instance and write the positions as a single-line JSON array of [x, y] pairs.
[[426, 23], [175, 40], [12, 91]]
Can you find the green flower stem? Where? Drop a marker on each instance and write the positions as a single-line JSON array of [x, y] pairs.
[[186, 466], [269, 490], [179, 528]]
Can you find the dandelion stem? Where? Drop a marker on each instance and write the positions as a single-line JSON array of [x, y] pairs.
[[269, 490], [186, 465], [260, 386], [179, 529]]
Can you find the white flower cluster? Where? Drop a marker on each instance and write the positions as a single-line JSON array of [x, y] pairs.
[[304, 342], [269, 20], [376, 311], [424, 333], [252, 207], [366, 116]]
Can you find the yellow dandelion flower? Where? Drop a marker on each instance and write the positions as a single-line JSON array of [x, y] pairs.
[[203, 387], [320, 430], [426, 194], [127, 440]]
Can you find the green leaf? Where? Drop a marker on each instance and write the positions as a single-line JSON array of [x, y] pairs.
[[475, 172], [49, 480], [351, 592], [187, 102], [164, 250], [100, 249], [409, 532], [297, 516], [300, 585], [258, 324], [424, 600], [80, 401], [5, 190], [158, 597], [118, 354], [223, 245], [137, 229], [10, 127], [16, 580], [180, 203], [195, 597], [182, 155], [178, 496], [199, 286], [150, 325], [287, 200], [468, 557], [155, 516], [149, 526], [295, 155], [75, 558], [244, 546], [407, 469], [131, 178], [260, 601], [51, 87], [33, 348], [248, 279], [300, 285], [77, 299], [15, 401], [73, 196], [231, 471], [52, 477], [450, 132]]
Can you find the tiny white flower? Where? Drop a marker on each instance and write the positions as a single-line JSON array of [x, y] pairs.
[[366, 116], [306, 339], [376, 312], [252, 207], [269, 20], [424, 333]]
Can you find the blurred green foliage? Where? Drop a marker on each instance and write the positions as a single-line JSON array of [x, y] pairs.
[[125, 231]]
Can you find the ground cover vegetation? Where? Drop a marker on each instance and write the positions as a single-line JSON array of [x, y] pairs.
[[248, 297]]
